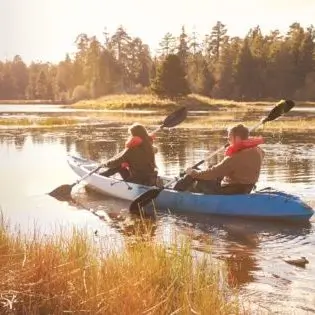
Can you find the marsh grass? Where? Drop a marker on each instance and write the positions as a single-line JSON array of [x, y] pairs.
[[223, 122], [59, 275], [30, 102], [148, 101], [49, 121], [52, 121], [15, 122], [192, 101]]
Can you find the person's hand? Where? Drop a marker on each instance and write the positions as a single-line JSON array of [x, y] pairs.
[[155, 149], [191, 172]]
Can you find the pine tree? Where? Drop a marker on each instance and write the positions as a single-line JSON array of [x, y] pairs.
[[170, 80], [41, 86]]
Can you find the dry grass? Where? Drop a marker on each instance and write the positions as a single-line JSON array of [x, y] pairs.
[[15, 122], [66, 275], [148, 101], [192, 101], [30, 102], [50, 121], [221, 123], [126, 101], [53, 121]]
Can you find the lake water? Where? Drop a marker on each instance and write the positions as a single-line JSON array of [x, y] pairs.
[[34, 162]]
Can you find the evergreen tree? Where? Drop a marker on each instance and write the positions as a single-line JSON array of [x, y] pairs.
[[182, 49], [170, 80], [41, 86]]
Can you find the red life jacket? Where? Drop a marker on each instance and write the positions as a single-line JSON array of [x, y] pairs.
[[251, 142], [133, 142]]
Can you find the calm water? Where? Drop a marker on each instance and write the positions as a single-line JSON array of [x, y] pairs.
[[34, 162]]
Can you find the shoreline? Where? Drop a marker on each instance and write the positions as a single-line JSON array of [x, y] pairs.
[[120, 110], [149, 102]]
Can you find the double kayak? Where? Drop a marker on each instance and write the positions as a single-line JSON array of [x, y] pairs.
[[266, 203]]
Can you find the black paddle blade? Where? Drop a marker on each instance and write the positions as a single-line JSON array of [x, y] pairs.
[[281, 108], [144, 199], [175, 118], [62, 193]]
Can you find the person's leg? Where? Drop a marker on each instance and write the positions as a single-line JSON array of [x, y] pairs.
[[184, 184], [124, 173], [110, 172], [236, 189], [147, 180], [209, 187]]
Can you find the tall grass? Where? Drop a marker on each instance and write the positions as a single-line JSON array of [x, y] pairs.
[[149, 101], [222, 122], [15, 121], [30, 102], [61, 275], [49, 121], [52, 121], [192, 101]]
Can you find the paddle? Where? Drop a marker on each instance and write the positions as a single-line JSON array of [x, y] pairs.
[[63, 192], [279, 109]]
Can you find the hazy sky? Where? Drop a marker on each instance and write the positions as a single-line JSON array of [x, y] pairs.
[[46, 29]]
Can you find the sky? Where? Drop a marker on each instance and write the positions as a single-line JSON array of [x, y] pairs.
[[45, 30]]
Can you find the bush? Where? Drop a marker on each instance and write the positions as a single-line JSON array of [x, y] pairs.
[[80, 93]]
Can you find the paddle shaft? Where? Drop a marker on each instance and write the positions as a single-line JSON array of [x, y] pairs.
[[88, 174], [214, 153]]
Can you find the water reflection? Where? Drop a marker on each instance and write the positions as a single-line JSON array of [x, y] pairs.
[[240, 242]]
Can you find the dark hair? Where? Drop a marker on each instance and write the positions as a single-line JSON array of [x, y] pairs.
[[138, 130], [239, 130]]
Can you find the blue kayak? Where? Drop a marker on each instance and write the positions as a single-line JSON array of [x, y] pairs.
[[267, 203]]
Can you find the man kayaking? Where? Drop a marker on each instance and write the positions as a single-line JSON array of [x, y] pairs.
[[136, 163], [238, 172]]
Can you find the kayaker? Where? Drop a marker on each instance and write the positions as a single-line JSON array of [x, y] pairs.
[[136, 163], [238, 172]]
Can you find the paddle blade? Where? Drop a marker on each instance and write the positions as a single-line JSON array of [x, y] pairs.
[[175, 118], [62, 193], [281, 108], [144, 199]]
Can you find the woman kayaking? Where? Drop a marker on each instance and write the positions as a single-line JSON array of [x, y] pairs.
[[136, 163]]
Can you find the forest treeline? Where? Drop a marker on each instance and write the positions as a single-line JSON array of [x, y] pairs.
[[258, 66]]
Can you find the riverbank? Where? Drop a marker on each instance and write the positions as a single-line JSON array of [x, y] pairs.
[[192, 102], [66, 274], [121, 110], [148, 101], [152, 102]]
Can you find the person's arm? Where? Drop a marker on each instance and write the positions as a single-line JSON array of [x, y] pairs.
[[262, 153], [217, 171], [117, 159]]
